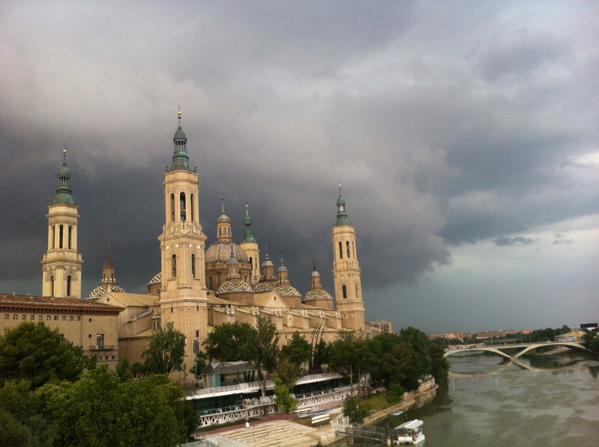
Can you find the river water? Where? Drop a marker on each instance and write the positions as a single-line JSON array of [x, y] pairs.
[[555, 404]]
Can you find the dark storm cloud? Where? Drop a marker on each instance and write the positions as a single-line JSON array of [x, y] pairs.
[[507, 241], [445, 123]]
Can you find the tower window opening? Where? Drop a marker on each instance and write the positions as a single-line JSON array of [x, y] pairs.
[[172, 208], [174, 266], [340, 250], [192, 209], [53, 236], [52, 285], [193, 265], [344, 291], [70, 238], [182, 206], [347, 249], [357, 295], [69, 285], [60, 236]]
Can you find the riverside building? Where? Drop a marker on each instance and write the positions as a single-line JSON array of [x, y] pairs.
[[197, 287]]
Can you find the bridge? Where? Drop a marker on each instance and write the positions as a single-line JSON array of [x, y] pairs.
[[524, 348]]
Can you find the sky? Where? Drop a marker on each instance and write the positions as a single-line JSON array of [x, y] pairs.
[[465, 135]]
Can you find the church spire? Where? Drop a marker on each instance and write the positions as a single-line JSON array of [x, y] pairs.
[[248, 231], [64, 195], [180, 155], [342, 217]]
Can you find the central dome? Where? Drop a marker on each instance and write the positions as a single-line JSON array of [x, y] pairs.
[[220, 251]]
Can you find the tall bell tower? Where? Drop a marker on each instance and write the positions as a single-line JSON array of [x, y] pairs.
[[183, 297], [346, 270], [250, 246], [62, 263]]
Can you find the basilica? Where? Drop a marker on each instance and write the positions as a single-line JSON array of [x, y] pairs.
[[200, 287]]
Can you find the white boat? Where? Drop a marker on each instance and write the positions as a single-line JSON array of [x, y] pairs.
[[410, 433]]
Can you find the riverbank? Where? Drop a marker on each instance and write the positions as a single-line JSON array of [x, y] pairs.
[[425, 393]]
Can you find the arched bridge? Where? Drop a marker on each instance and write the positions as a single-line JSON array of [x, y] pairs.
[[523, 349]]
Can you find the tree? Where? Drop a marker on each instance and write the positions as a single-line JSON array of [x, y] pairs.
[[439, 365], [322, 356], [101, 410], [37, 353], [266, 350], [20, 416], [298, 351], [349, 356], [231, 342], [285, 401], [353, 410], [165, 351]]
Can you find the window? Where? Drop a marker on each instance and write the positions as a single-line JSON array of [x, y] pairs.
[[347, 249], [71, 318], [100, 341], [55, 317], [23, 317], [172, 208], [182, 207], [357, 294], [78, 318], [52, 285], [64, 318], [340, 250], [60, 236], [174, 266], [48, 317], [32, 317], [69, 285], [40, 317], [53, 236], [15, 317], [70, 235], [192, 208], [193, 265], [6, 316], [197, 334], [344, 289]]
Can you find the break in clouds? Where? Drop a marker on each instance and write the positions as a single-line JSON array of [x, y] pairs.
[[447, 123]]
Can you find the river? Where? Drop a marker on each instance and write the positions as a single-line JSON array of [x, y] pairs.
[[556, 404]]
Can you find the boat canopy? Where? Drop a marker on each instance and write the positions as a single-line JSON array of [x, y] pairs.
[[410, 425]]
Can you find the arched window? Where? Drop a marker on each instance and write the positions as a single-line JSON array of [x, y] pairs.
[[174, 266], [70, 239], [52, 285], [53, 236], [182, 206], [172, 208], [69, 285], [192, 208], [193, 265], [340, 250], [60, 236], [344, 290], [347, 249]]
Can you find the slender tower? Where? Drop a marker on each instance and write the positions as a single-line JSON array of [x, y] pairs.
[[346, 270], [250, 246], [183, 288], [62, 263]]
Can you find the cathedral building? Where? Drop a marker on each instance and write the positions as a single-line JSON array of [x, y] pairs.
[[199, 287]]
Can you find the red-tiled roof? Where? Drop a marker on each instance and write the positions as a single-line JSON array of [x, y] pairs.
[[55, 303]]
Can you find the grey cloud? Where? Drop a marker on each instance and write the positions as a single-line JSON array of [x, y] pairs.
[[560, 238], [510, 241], [436, 144]]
